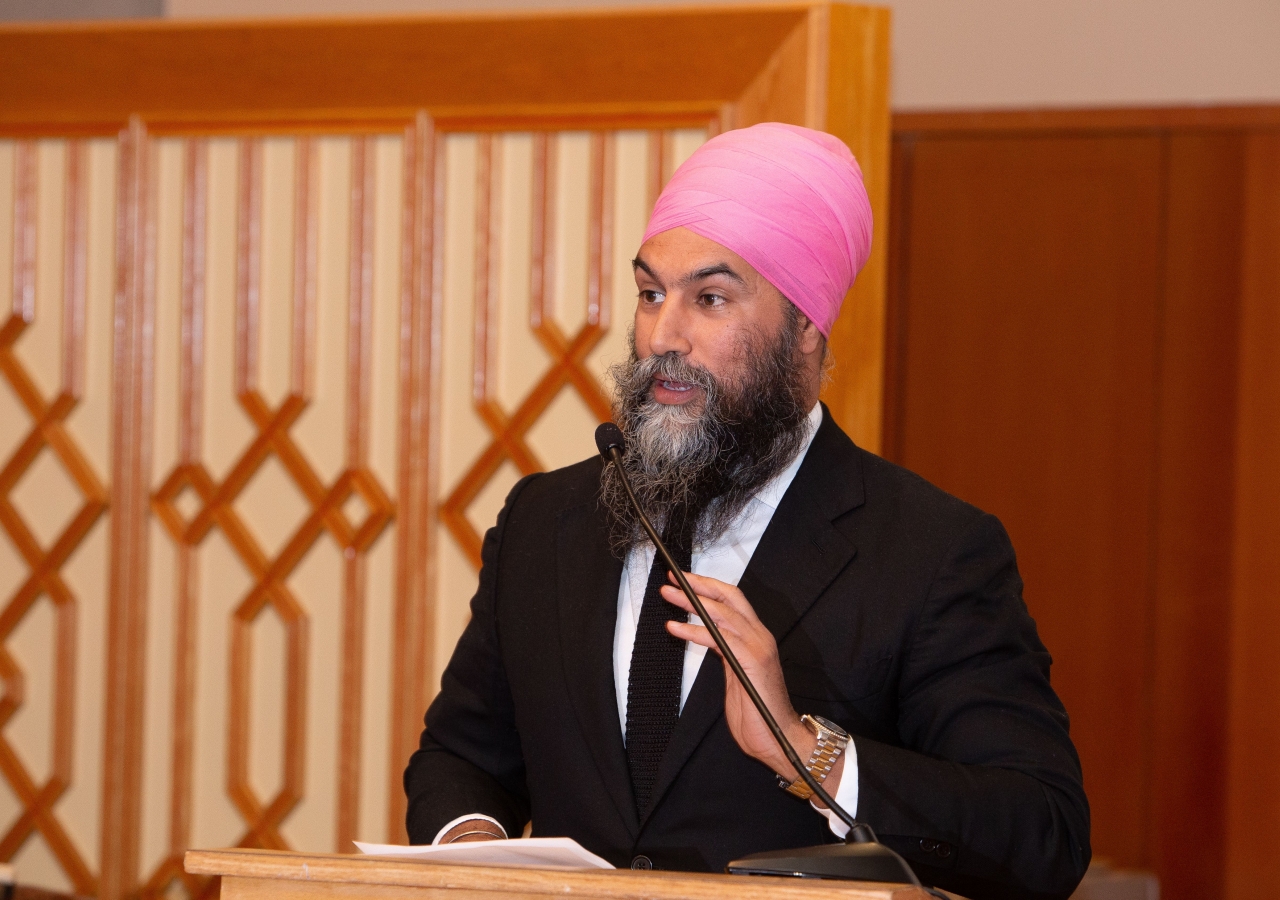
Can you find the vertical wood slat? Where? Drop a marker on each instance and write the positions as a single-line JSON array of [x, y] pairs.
[[73, 311], [248, 280], [190, 449], [306, 229], [600, 226], [488, 232], [249, 263], [132, 384], [359, 348], [75, 253], [542, 257], [659, 160], [23, 299], [75, 264], [306, 225], [421, 292]]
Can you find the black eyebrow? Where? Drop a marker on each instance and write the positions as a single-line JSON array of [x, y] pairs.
[[697, 275], [639, 263], [717, 269]]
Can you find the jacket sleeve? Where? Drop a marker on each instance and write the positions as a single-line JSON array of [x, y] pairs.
[[986, 796], [469, 758]]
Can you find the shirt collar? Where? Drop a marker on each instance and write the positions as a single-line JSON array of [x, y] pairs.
[[771, 494]]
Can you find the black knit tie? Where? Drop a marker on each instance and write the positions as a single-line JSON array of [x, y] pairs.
[[657, 667]]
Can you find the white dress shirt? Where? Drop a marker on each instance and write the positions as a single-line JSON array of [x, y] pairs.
[[724, 560]]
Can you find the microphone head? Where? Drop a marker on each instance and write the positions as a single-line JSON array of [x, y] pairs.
[[609, 436]]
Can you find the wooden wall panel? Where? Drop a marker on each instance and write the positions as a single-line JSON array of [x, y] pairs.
[[1195, 477], [1081, 339], [1027, 388], [1253, 798]]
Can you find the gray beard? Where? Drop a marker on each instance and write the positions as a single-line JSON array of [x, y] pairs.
[[704, 459]]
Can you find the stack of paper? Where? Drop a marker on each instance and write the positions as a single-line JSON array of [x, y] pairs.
[[529, 853]]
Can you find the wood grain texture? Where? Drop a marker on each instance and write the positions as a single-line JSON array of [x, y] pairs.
[[419, 441], [278, 873], [857, 111], [85, 75], [1027, 388], [359, 348], [132, 393], [1094, 120], [780, 90], [1195, 477], [1158, 636], [1253, 796]]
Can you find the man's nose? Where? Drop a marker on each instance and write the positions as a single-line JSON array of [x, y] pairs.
[[670, 330]]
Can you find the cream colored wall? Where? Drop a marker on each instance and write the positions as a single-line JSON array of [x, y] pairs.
[[966, 54], [271, 506]]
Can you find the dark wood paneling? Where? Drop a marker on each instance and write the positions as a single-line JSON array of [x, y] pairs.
[[1253, 790], [1084, 338], [1027, 386], [1091, 121], [1195, 477]]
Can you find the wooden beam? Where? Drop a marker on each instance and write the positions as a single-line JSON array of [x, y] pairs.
[[96, 75]]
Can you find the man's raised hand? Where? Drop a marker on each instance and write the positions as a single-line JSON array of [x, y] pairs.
[[757, 651]]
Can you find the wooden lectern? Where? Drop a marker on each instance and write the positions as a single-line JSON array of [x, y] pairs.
[[260, 874]]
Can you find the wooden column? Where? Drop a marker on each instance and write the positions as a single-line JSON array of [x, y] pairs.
[[134, 361]]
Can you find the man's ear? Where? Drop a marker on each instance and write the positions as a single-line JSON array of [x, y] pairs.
[[811, 339]]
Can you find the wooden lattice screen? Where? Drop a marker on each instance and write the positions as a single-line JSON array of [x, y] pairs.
[[282, 332]]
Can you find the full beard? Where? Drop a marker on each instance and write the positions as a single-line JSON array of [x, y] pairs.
[[707, 458]]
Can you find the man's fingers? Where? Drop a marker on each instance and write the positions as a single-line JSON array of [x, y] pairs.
[[694, 634], [720, 591], [720, 613]]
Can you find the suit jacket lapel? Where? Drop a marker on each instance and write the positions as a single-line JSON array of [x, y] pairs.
[[587, 580], [799, 555], [802, 551]]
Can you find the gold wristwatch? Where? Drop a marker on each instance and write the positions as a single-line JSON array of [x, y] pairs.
[[832, 739]]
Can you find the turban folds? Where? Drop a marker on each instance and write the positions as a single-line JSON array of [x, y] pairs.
[[788, 200]]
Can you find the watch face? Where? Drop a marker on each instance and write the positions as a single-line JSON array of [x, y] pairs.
[[831, 726]]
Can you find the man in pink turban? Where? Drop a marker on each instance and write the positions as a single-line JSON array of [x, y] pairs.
[[880, 618]]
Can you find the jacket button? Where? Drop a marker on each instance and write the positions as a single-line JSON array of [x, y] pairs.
[[943, 851], [927, 845], [642, 862]]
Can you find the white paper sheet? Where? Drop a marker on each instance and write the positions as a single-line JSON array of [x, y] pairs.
[[529, 853]]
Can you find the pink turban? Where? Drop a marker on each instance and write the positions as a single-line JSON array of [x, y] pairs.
[[788, 200]]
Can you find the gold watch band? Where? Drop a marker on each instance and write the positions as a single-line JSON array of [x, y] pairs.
[[830, 745]]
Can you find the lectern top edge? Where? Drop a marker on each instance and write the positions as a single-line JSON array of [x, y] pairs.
[[273, 866]]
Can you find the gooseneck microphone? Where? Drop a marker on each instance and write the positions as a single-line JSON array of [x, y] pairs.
[[861, 857]]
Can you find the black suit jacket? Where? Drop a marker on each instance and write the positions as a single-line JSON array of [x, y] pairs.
[[898, 614]]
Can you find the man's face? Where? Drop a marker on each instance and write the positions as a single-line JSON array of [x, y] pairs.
[[714, 400], [704, 303]]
